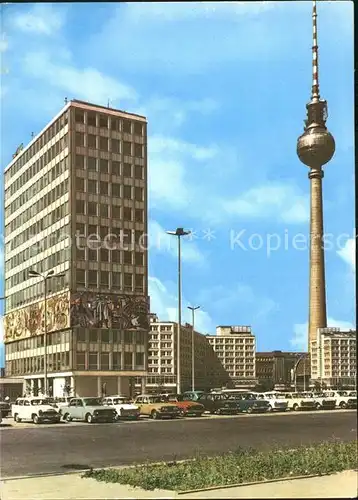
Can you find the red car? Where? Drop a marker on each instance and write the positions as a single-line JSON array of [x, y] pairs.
[[187, 408]]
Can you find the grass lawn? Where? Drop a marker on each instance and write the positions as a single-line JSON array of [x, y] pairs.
[[241, 466]]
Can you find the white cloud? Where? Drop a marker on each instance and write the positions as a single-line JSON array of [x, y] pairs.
[[161, 242], [87, 83], [281, 201], [4, 44], [165, 305], [171, 147], [41, 19], [348, 252], [300, 338]]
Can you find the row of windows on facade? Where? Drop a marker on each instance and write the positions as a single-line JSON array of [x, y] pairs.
[[36, 187], [116, 256], [56, 259], [104, 166], [226, 342], [93, 336], [110, 280], [113, 189], [84, 361], [111, 145], [94, 209], [44, 138], [93, 119], [40, 204], [105, 236]]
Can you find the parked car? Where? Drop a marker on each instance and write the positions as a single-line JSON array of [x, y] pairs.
[[248, 402], [192, 395], [344, 399], [154, 407], [88, 409], [62, 402], [123, 406], [322, 401], [275, 402], [298, 401], [5, 409], [218, 404], [187, 408], [38, 409]]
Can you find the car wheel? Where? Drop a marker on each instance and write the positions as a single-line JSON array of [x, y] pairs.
[[269, 408], [68, 417], [17, 418], [318, 406], [343, 405], [154, 415], [249, 410], [35, 419], [295, 407], [89, 418]]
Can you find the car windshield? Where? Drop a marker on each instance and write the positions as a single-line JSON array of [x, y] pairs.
[[44, 401], [92, 401], [121, 401], [156, 399]]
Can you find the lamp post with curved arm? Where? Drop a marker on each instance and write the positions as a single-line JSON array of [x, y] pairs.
[[45, 277], [302, 356], [193, 309]]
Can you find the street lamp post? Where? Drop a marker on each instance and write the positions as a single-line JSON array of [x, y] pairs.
[[45, 277], [302, 356], [193, 309], [179, 232]]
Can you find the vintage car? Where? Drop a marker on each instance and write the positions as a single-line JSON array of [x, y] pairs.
[[88, 409], [123, 406], [322, 401], [154, 407], [192, 395], [187, 408], [248, 402], [298, 401], [38, 409], [62, 402], [344, 399], [275, 402], [218, 404]]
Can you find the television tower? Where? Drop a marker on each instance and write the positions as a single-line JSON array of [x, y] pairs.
[[315, 148]]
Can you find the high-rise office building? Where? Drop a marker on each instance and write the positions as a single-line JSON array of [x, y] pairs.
[[235, 347], [76, 206]]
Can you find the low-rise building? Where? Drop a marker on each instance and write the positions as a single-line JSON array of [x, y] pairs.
[[277, 368], [162, 359], [334, 358], [235, 347]]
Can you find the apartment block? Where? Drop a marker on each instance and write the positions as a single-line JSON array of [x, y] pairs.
[[235, 347], [162, 359], [76, 205], [334, 358]]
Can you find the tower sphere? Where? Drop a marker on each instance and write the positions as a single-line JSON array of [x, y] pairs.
[[316, 146]]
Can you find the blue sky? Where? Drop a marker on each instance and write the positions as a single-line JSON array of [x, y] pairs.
[[224, 87]]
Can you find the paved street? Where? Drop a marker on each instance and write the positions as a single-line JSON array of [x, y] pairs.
[[64, 448]]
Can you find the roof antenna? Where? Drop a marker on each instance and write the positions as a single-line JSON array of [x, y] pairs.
[[315, 83], [108, 103], [32, 135], [66, 100]]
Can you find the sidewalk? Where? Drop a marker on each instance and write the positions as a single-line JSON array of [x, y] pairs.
[[72, 486]]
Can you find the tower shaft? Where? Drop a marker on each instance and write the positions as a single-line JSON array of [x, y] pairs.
[[317, 284]]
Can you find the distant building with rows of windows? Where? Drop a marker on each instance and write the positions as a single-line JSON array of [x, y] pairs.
[[76, 204]]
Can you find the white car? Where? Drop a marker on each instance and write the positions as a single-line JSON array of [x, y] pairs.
[[344, 399], [298, 401], [36, 409], [276, 402], [322, 401], [123, 406], [63, 402]]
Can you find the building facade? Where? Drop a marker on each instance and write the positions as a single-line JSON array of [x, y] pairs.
[[76, 204], [334, 358], [162, 359], [277, 368], [235, 347]]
